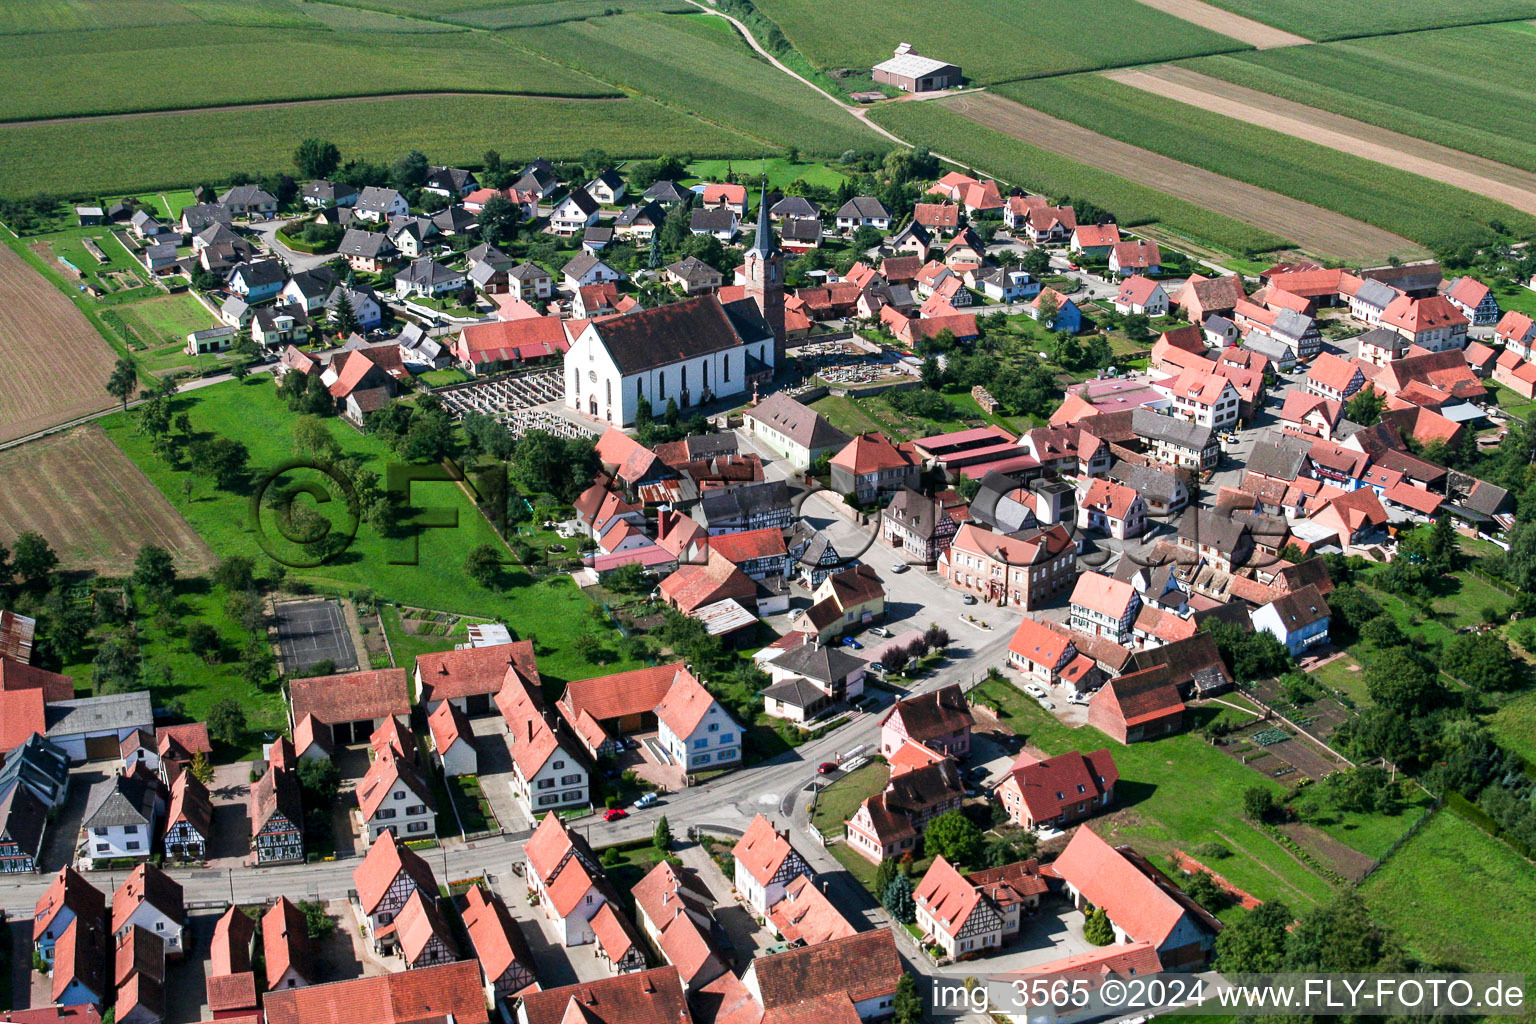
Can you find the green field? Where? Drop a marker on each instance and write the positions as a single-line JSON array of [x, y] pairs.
[[95, 157], [1177, 792], [1462, 88], [1039, 170], [1440, 216], [1358, 18], [720, 80], [506, 14], [161, 325], [43, 16], [104, 72], [552, 611], [1465, 921], [991, 40], [1514, 725], [780, 171], [115, 278]]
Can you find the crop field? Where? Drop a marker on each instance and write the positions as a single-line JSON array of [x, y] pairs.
[[93, 504], [41, 16], [252, 412], [504, 14], [1018, 153], [1440, 216], [992, 40], [1467, 923], [698, 63], [1358, 17], [55, 361], [1466, 88], [103, 72], [108, 155]]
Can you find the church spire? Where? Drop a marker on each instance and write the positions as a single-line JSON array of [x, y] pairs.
[[764, 242]]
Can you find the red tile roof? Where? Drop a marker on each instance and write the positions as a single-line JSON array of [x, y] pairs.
[[1122, 959], [80, 954], [749, 544], [529, 737], [68, 889], [138, 950], [22, 713], [1101, 593], [1468, 291], [232, 993], [869, 453], [512, 340], [762, 850], [385, 860], [946, 896], [691, 587], [447, 675], [285, 942], [386, 770], [230, 951], [1139, 255], [623, 693], [1094, 236], [685, 705], [1417, 315], [449, 725], [805, 914], [16, 676], [418, 923], [498, 942], [938, 714], [1333, 372], [863, 966], [147, 884], [1137, 290], [427, 995], [1113, 499], [645, 997], [351, 696], [1051, 786], [1140, 697], [1108, 879]]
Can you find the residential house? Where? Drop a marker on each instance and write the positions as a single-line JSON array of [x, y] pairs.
[[1205, 399], [1162, 490], [364, 303], [1433, 324], [721, 222], [1104, 606], [546, 774], [120, 821], [1138, 706], [1334, 378], [695, 731], [766, 863], [1024, 571], [810, 678], [918, 526], [1064, 313], [871, 465], [423, 936], [69, 896], [380, 205], [23, 819], [308, 289], [1094, 241], [1141, 296], [453, 742], [1183, 443], [1111, 508], [368, 251], [1142, 903], [429, 995], [1057, 791], [940, 720], [793, 431], [285, 946], [395, 797], [1517, 332], [573, 214], [150, 899], [1474, 299], [277, 817], [80, 963], [675, 911], [249, 202], [849, 599], [1003, 285], [189, 820], [967, 915], [1201, 297], [1370, 300], [715, 196], [505, 959], [891, 823], [607, 188], [328, 195], [563, 874], [274, 328], [1299, 620], [862, 212], [1046, 655], [825, 981], [384, 881], [638, 997], [428, 278], [692, 276], [37, 765], [259, 280], [1139, 257], [453, 182], [412, 236]]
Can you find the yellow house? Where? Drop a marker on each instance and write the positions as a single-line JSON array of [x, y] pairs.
[[845, 602]]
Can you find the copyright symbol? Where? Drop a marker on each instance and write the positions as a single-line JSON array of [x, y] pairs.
[[1112, 992], [291, 495], [848, 554]]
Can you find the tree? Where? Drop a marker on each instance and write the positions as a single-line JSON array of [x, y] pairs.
[[588, 646], [627, 579], [409, 171], [154, 568], [894, 659], [1402, 680], [662, 840], [226, 722], [1366, 407], [320, 780], [1253, 654], [317, 923], [1484, 661], [316, 158], [498, 220], [124, 378], [1202, 888], [201, 770], [342, 316], [117, 666], [936, 636], [204, 641], [1258, 803], [908, 1006], [1097, 929], [1340, 937], [221, 460], [897, 899], [1037, 262], [952, 836], [235, 573], [483, 565], [885, 873], [32, 558], [1255, 942], [1383, 632]]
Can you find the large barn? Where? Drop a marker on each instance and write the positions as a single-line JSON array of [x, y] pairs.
[[911, 72]]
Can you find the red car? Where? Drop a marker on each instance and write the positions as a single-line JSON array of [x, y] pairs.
[[615, 813], [826, 768]]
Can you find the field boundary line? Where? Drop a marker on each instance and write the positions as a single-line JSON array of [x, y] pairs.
[[1258, 34]]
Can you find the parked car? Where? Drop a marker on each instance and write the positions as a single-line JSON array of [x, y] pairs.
[[615, 813], [849, 641], [968, 599], [826, 768], [899, 567], [880, 631], [1078, 698], [645, 801], [1034, 690]]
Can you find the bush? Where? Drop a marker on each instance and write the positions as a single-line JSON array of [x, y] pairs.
[[1097, 929], [1212, 851]]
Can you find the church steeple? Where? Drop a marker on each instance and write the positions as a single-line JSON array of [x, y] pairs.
[[763, 270]]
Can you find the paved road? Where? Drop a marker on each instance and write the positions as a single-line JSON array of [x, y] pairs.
[[297, 261]]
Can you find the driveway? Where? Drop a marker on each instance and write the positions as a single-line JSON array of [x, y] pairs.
[[63, 833], [266, 231], [230, 794], [1055, 931], [495, 764]]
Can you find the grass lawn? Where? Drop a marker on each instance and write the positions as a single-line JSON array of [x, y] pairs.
[[1371, 834], [1513, 297], [627, 866], [1176, 792], [439, 378], [161, 325], [780, 172], [1514, 724], [841, 799], [174, 674], [120, 279], [1511, 403], [1467, 923], [552, 611], [1343, 674], [407, 647]]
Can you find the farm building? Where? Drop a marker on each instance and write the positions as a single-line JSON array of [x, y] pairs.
[[911, 72]]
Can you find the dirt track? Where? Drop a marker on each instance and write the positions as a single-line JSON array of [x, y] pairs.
[[93, 504], [1254, 33], [56, 365], [1463, 170], [1313, 228]]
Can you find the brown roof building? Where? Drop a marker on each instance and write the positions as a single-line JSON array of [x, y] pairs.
[[1138, 706]]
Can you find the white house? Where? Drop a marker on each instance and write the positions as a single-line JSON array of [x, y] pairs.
[[453, 745], [120, 821], [365, 305], [1104, 606], [863, 212], [562, 872], [1111, 508], [765, 864], [693, 351], [394, 797], [1141, 295], [150, 899], [607, 188], [586, 269], [694, 730], [380, 205], [545, 776], [1299, 620], [1206, 399], [575, 213], [793, 431]]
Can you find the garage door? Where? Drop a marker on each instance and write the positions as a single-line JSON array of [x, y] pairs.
[[101, 748]]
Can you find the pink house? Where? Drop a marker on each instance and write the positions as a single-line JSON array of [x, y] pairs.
[[940, 721]]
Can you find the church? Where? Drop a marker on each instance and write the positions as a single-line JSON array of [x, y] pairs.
[[694, 351]]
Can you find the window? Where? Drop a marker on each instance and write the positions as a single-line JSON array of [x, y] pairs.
[[385, 813], [134, 845], [159, 926], [558, 765], [569, 780], [417, 809], [131, 830], [416, 826], [727, 737], [100, 848], [714, 726], [399, 795], [545, 784], [545, 801], [697, 744]]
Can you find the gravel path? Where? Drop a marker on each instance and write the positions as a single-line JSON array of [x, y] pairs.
[[1255, 33]]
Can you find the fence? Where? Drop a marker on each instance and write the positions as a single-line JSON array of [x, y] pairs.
[[1493, 581], [1397, 844]]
